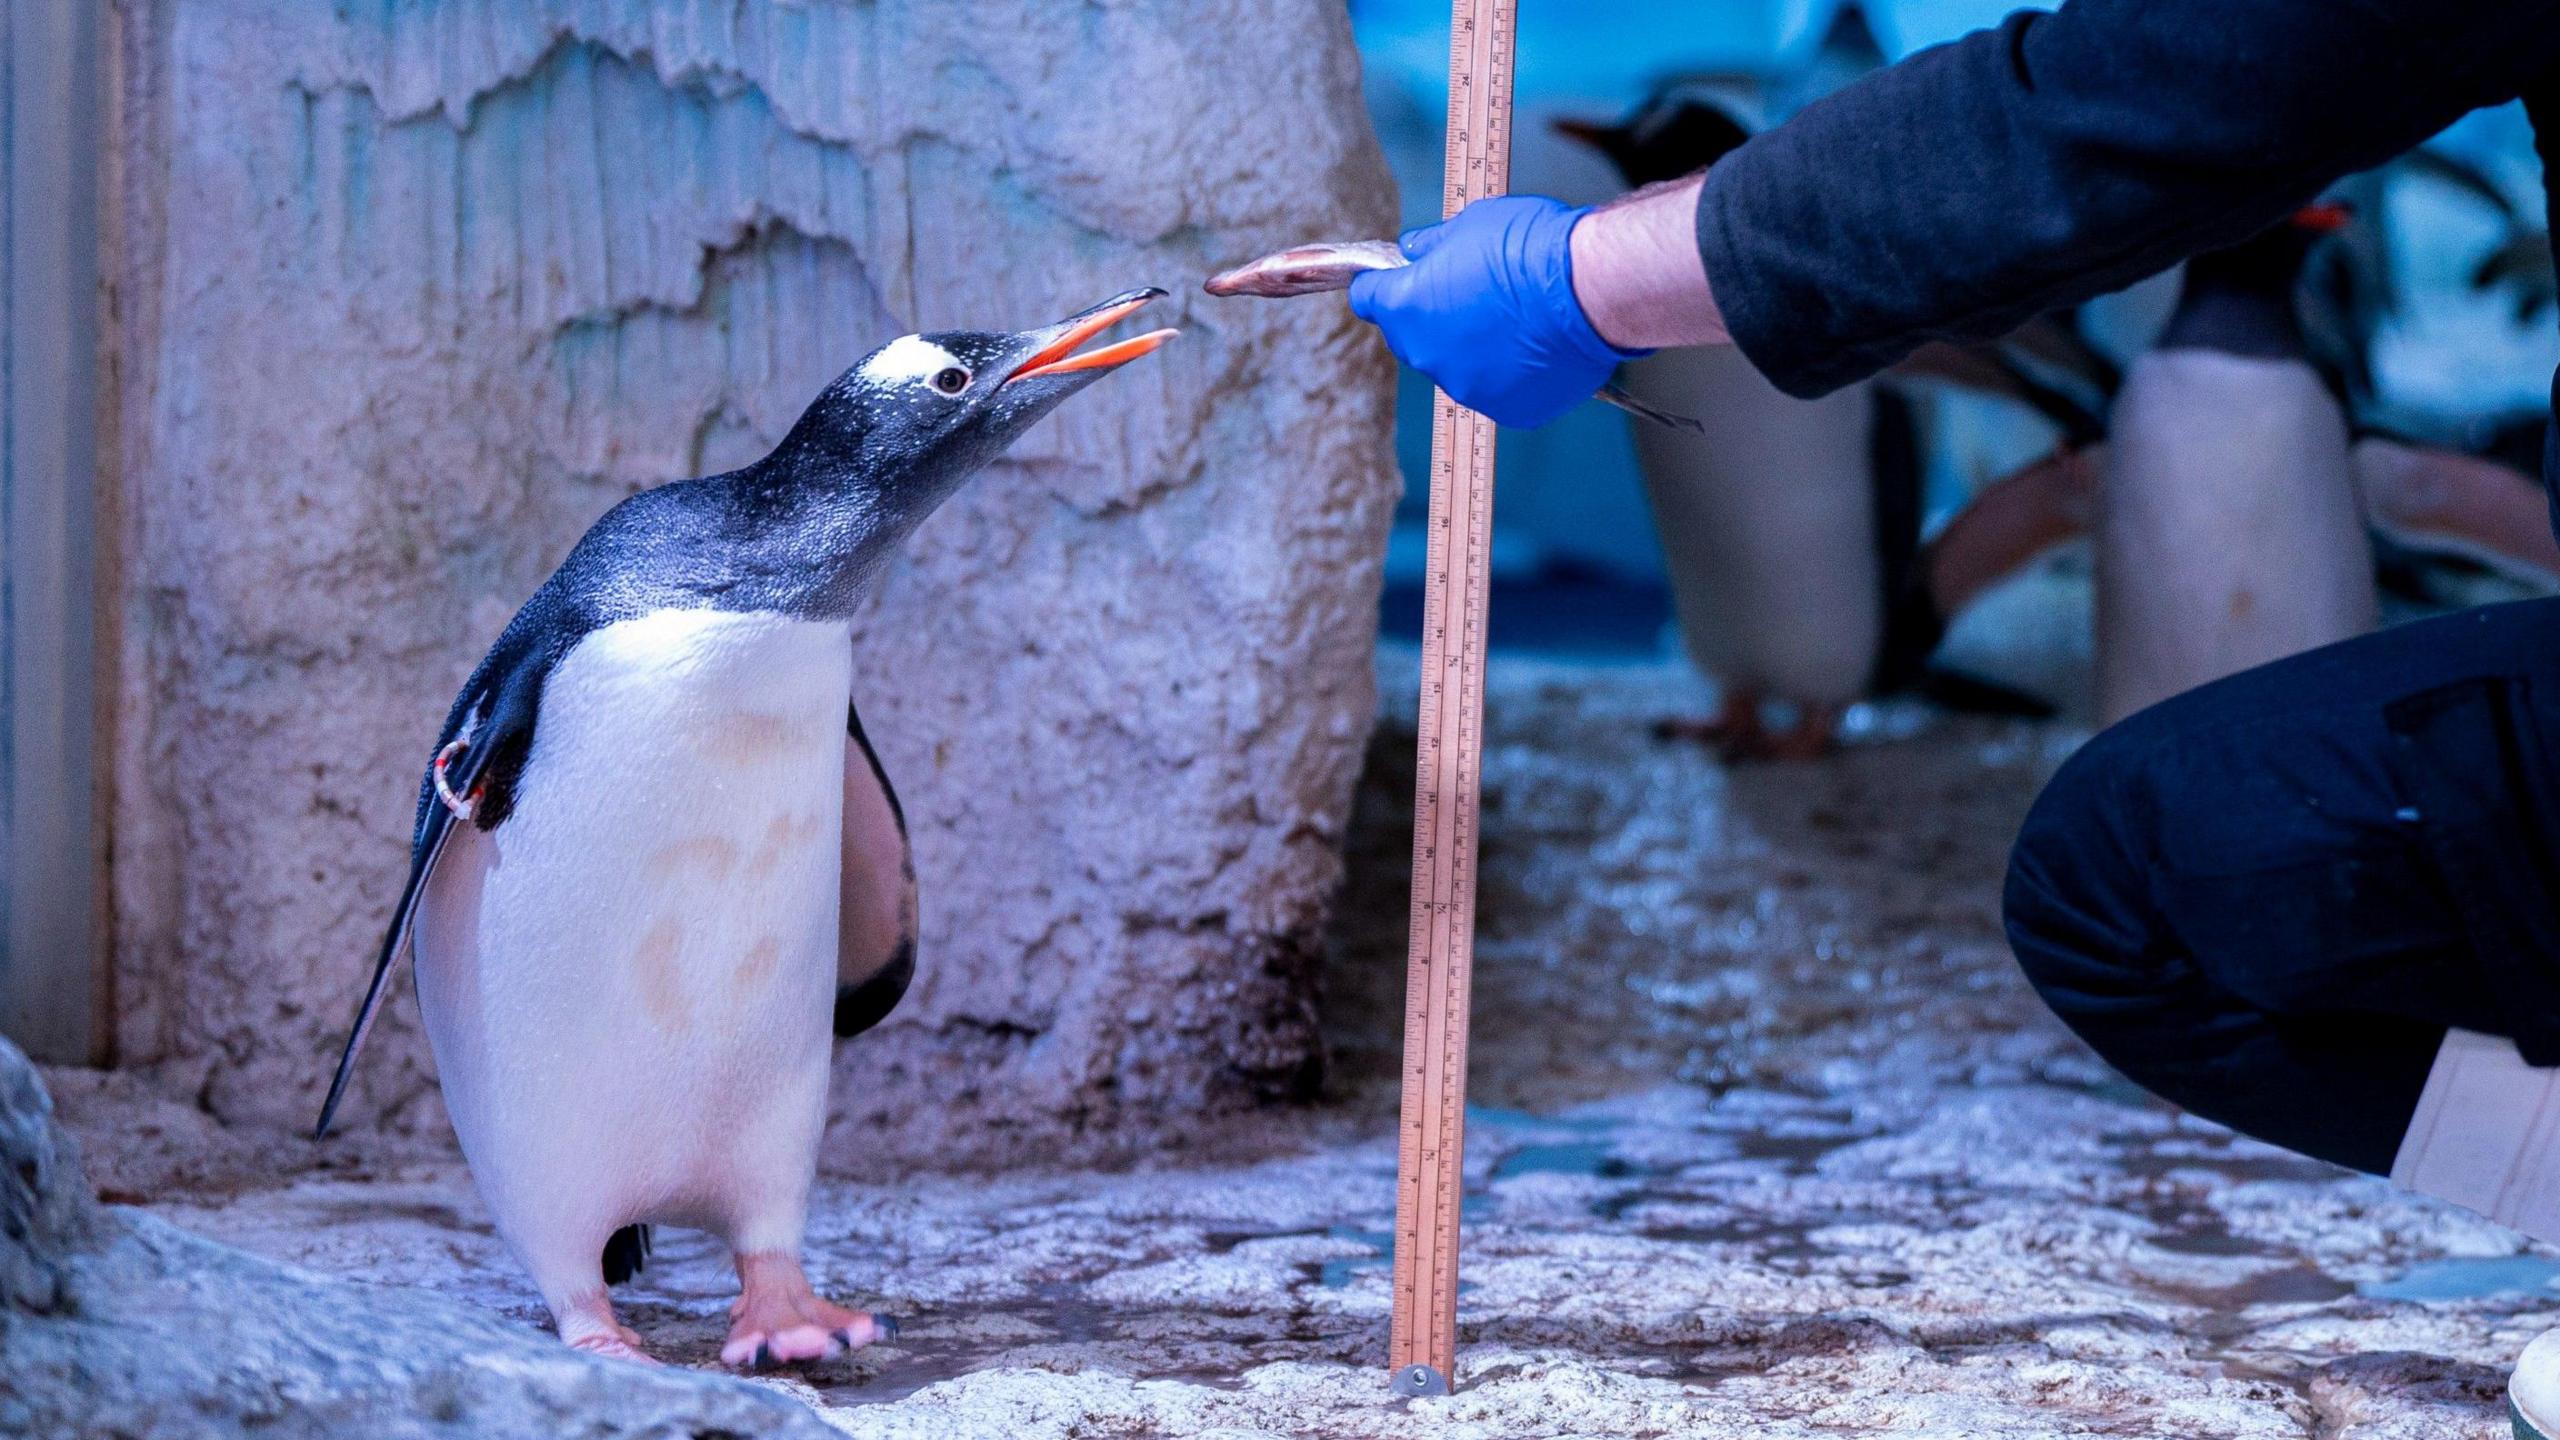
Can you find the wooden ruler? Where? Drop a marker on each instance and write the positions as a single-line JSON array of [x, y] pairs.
[[1423, 1345]]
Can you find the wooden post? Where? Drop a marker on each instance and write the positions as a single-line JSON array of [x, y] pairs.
[[52, 126]]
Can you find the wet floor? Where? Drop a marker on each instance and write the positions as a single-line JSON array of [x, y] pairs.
[[1768, 1139]]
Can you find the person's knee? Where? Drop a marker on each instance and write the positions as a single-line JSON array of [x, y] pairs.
[[2076, 903]]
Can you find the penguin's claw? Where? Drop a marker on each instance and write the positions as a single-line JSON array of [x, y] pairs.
[[866, 1330], [779, 1320], [759, 1350], [763, 1350]]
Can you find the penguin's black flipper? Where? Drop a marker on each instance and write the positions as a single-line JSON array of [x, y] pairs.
[[422, 863], [626, 1253], [2462, 175], [2073, 396], [493, 721], [1895, 467], [876, 936]]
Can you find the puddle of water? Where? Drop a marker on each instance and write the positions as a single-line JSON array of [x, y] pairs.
[[1224, 1242], [361, 1209], [1580, 1157], [1332, 1274], [1613, 1208], [1335, 1273], [2239, 1168], [2299, 1284], [2468, 1278], [1742, 1228], [1061, 1314], [2116, 1090], [1061, 1319], [1495, 1117], [1800, 1152], [2293, 1285], [2194, 1235]]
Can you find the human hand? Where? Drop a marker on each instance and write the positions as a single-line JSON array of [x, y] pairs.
[[1487, 310]]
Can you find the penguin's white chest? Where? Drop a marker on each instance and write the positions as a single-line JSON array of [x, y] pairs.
[[2229, 525], [633, 974], [1767, 521]]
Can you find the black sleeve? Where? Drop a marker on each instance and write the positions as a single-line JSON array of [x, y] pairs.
[[2062, 155]]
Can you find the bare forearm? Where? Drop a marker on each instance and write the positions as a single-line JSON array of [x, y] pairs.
[[1637, 271]]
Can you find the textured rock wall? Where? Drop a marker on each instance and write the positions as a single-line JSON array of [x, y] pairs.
[[414, 292]]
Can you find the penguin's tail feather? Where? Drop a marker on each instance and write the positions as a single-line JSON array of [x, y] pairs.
[[626, 1253]]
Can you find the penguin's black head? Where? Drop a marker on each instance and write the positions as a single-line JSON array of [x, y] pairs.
[[2244, 299], [2270, 261], [1668, 136], [923, 412]]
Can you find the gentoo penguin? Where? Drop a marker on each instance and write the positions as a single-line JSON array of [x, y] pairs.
[[656, 860], [1789, 528], [2229, 531]]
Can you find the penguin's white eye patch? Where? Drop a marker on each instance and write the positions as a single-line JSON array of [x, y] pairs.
[[951, 380], [906, 360]]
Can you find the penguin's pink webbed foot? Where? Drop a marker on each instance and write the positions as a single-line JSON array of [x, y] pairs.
[[1810, 738], [586, 1323], [1738, 733], [1733, 729], [779, 1320]]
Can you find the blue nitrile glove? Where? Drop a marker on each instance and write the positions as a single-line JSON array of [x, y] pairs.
[[1487, 310]]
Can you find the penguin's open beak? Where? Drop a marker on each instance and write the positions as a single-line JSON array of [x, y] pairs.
[[1603, 138], [1057, 353]]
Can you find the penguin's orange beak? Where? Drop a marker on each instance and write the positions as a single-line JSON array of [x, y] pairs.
[[1060, 357]]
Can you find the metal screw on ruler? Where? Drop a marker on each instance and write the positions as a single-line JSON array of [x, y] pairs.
[[1421, 1382], [1431, 1139]]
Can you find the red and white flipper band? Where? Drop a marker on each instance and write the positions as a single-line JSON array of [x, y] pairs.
[[460, 806]]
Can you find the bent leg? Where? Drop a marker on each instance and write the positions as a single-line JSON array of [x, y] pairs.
[[2270, 898], [567, 1266], [778, 1318], [2083, 922]]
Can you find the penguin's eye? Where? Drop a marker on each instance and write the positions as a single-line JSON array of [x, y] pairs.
[[951, 380]]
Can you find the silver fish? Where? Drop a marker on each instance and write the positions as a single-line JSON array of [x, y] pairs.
[[1315, 269], [1307, 269]]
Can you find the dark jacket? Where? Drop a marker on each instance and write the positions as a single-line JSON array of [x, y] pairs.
[[2059, 156]]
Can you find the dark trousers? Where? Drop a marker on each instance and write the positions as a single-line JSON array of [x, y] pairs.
[[2266, 899]]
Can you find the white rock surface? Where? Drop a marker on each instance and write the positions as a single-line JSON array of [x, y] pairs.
[[412, 293]]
